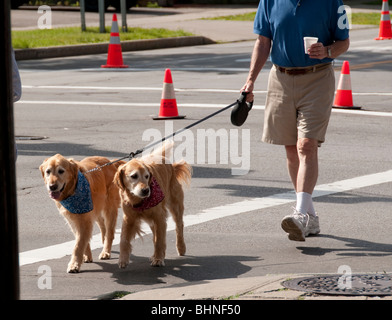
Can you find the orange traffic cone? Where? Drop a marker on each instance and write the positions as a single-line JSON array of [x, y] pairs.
[[344, 96], [115, 59], [385, 32], [168, 109]]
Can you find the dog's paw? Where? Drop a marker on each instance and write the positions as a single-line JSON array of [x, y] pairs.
[[87, 258], [104, 255], [157, 262], [181, 249], [73, 267], [123, 263]]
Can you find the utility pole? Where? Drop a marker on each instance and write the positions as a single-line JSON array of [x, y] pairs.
[[9, 266], [124, 8], [82, 15], [101, 9]]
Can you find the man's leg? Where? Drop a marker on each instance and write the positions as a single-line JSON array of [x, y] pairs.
[[302, 163], [292, 164], [308, 165]]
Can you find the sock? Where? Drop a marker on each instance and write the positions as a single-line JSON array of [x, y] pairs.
[[311, 210], [304, 200]]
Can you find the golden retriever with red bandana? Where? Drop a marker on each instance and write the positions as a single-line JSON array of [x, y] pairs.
[[149, 186]]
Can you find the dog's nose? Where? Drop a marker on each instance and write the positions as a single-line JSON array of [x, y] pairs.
[[146, 191], [53, 187]]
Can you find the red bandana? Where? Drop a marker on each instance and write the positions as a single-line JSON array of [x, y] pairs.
[[156, 197]]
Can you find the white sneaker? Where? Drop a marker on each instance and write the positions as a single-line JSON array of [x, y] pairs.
[[313, 226], [295, 225]]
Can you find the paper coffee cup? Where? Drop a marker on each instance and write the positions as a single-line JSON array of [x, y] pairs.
[[308, 41]]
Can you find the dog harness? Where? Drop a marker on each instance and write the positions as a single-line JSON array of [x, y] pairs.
[[81, 201], [156, 197]]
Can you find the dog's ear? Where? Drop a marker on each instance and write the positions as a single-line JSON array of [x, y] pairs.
[[42, 167], [148, 166], [118, 178], [73, 167], [72, 180], [150, 176]]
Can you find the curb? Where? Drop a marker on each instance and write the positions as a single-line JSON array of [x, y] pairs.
[[268, 287], [252, 288], [97, 48]]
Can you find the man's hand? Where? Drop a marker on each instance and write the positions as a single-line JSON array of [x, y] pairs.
[[318, 51], [248, 87]]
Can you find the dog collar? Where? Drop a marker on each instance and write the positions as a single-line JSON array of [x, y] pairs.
[[80, 201], [156, 197]]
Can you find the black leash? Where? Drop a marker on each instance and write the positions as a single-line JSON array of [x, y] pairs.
[[139, 151]]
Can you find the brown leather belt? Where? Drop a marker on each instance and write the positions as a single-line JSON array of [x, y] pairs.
[[299, 71]]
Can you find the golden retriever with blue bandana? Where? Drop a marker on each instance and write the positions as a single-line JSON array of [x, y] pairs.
[[84, 199]]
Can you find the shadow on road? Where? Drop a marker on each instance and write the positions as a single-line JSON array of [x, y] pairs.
[[188, 268], [353, 248]]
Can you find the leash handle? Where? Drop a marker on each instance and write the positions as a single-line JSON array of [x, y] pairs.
[[242, 99]]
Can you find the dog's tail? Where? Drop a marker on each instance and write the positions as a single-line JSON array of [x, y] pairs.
[[163, 153], [183, 172]]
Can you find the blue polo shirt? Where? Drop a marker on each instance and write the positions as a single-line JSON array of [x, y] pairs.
[[286, 22]]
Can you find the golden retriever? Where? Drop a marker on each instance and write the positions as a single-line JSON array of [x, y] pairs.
[[149, 186], [68, 187]]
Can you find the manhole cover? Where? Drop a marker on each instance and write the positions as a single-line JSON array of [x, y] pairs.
[[354, 285], [30, 137]]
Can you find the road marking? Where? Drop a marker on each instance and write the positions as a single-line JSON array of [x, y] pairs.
[[185, 105], [92, 88], [370, 64], [208, 90], [372, 93], [61, 250], [130, 104], [363, 112], [190, 69], [134, 89]]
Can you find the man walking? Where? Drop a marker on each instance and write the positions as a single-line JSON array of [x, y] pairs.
[[300, 92]]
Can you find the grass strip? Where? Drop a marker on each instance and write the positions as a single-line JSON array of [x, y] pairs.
[[73, 35], [370, 18]]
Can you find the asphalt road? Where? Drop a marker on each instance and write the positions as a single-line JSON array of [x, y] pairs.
[[26, 18], [82, 110], [143, 17]]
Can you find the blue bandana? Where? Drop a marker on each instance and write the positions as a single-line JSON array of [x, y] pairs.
[[80, 201]]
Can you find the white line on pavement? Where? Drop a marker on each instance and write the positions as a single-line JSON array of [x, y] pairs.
[[203, 69], [129, 104], [135, 89], [61, 250], [175, 89], [186, 105]]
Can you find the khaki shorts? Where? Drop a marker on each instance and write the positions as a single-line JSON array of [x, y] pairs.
[[298, 106]]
